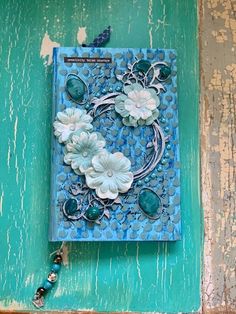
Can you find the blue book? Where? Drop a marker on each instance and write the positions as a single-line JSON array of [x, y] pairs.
[[115, 173]]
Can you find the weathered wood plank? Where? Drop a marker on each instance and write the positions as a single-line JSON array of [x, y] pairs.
[[218, 125], [162, 277]]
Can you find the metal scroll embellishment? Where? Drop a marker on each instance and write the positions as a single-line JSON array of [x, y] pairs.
[[103, 177]]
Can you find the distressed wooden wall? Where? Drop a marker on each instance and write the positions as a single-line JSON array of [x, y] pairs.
[[218, 152]]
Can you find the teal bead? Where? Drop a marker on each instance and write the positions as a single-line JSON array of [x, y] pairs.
[[159, 168], [98, 95], [142, 66], [164, 161], [104, 91], [149, 202], [167, 155], [56, 268], [168, 146], [87, 106], [76, 89], [118, 88], [146, 180], [163, 120], [140, 182], [110, 90], [70, 206], [167, 129], [47, 285], [165, 72], [153, 175], [92, 213]]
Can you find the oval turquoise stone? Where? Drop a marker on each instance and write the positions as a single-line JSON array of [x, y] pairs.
[[76, 88], [165, 72], [142, 66], [92, 213], [149, 202], [71, 206]]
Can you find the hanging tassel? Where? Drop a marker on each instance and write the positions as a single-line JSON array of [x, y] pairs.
[[101, 39], [38, 299]]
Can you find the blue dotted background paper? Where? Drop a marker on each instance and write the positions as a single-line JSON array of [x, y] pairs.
[[127, 221]]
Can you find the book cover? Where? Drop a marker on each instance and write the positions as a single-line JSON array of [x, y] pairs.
[[115, 173]]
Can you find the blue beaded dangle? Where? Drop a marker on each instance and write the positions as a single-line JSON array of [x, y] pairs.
[[38, 299]]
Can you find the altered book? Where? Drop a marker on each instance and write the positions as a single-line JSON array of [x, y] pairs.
[[115, 172]]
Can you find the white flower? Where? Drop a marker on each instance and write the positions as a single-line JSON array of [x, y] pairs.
[[81, 149], [138, 106], [70, 121], [109, 175]]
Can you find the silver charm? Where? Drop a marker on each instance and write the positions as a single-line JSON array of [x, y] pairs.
[[38, 300]]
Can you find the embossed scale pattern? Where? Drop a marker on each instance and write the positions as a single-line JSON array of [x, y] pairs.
[[127, 221]]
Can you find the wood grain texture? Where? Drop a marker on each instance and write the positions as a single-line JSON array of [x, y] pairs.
[[218, 124], [160, 277]]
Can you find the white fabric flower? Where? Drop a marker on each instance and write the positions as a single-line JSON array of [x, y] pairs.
[[109, 175], [81, 149], [70, 121], [138, 106]]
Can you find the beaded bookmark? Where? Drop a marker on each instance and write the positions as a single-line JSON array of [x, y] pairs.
[[38, 299]]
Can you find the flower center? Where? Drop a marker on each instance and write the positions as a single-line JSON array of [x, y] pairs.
[[110, 173], [138, 105], [72, 127], [85, 154]]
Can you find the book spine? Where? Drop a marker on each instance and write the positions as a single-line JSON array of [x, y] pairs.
[[52, 219]]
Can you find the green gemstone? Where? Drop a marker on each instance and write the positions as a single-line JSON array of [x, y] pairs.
[[76, 89], [142, 66], [165, 72], [149, 202], [71, 206], [92, 213]]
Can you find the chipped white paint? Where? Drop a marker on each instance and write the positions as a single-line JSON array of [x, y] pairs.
[[81, 35], [47, 46], [150, 21], [1, 201], [65, 254], [224, 12], [12, 306], [138, 264], [219, 154]]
